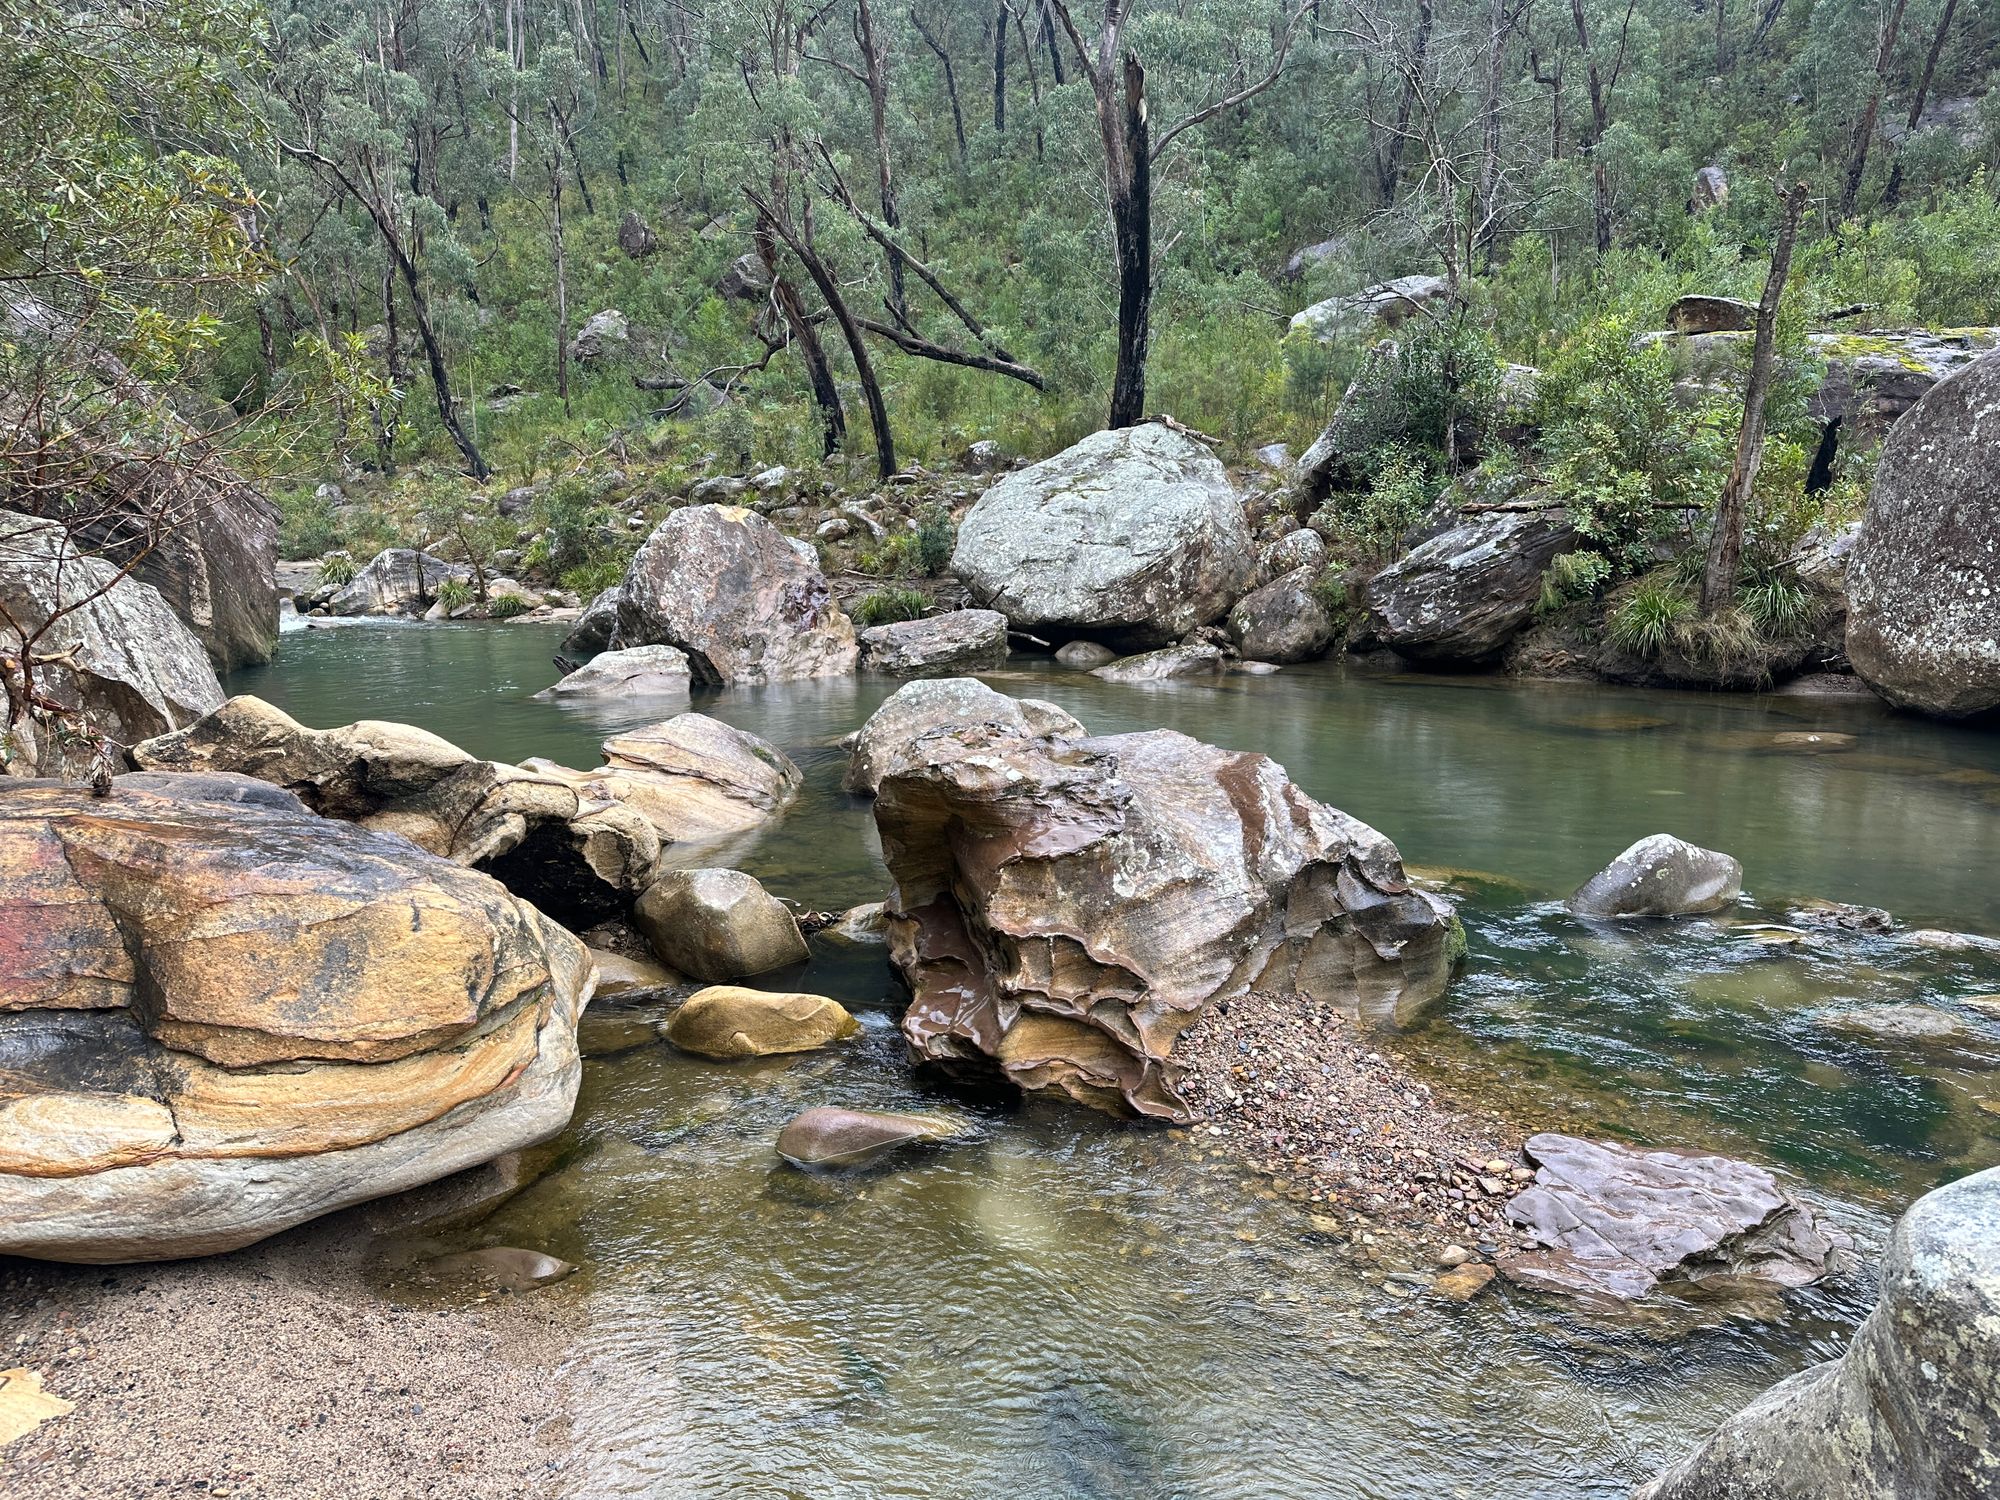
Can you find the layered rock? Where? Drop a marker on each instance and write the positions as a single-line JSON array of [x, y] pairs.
[[221, 1016], [116, 662], [960, 641], [1134, 534], [897, 733], [1923, 578], [396, 581], [725, 586], [1911, 1409], [1614, 1221], [1661, 876], [1284, 621], [1464, 594], [1065, 907], [695, 779], [718, 925], [579, 860]]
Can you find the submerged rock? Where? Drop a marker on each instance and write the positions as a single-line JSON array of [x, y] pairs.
[[641, 671], [1911, 1409], [1468, 591], [1134, 532], [728, 1021], [221, 1016], [961, 640], [746, 605], [116, 656], [1660, 876], [1616, 1221], [621, 974], [1066, 907], [1923, 576], [1921, 1029], [718, 924], [896, 732], [830, 1137], [507, 1267], [1084, 656], [1199, 660]]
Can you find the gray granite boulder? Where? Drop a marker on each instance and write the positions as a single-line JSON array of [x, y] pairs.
[[396, 581], [1912, 1410], [895, 733], [1283, 621], [1660, 876], [958, 641]]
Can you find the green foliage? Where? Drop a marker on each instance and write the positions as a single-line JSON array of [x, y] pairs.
[[1369, 524], [1573, 577], [336, 570], [889, 606], [1651, 616], [454, 594], [1436, 395], [576, 529], [1781, 607], [506, 607], [307, 526], [935, 536]]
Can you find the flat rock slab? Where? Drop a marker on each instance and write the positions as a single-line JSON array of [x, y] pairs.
[[959, 641], [1616, 1221]]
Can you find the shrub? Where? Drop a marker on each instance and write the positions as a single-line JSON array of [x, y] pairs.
[[506, 607], [307, 525], [1650, 617], [1781, 607], [1370, 523], [454, 594], [1573, 577], [888, 606], [935, 538], [336, 570], [1436, 394]]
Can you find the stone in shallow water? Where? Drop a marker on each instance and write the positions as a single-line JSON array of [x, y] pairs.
[[510, 1269], [718, 924], [1660, 876], [619, 974], [727, 1021], [1170, 662], [960, 641], [1912, 1408], [1463, 1283], [831, 1137], [641, 671], [896, 733], [1616, 1221], [1914, 1028], [1084, 656]]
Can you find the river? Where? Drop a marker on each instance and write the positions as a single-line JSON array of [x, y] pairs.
[[1076, 1310]]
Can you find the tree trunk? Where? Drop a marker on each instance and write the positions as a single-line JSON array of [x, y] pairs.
[[561, 270], [386, 422], [1725, 542], [1600, 122], [1389, 173], [1864, 133], [1894, 194], [950, 79], [1489, 142], [1000, 68], [1132, 234], [802, 246], [826, 394], [876, 56]]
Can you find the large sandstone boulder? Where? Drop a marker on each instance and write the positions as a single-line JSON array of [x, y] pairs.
[[1064, 908], [1284, 621], [695, 779], [896, 733], [220, 573], [1465, 593], [962, 640], [1661, 876], [1383, 305], [116, 661], [726, 586], [578, 860], [596, 625], [1923, 580], [396, 581], [1135, 534], [718, 925], [1912, 1409], [638, 671], [1613, 1221], [221, 1016]]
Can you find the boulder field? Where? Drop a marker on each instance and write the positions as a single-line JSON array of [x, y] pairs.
[[222, 1015], [1065, 905]]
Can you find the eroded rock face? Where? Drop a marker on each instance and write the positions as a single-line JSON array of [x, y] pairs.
[[221, 1016], [396, 581], [896, 733], [727, 1021], [596, 625], [1911, 1409], [1615, 1221], [1284, 620], [718, 925], [1696, 313], [1384, 305], [122, 661], [960, 641], [1468, 591], [1661, 876], [1134, 533], [640, 671], [1923, 575], [724, 585], [578, 861], [1065, 908]]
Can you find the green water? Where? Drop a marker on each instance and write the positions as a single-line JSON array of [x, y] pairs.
[[1071, 1309]]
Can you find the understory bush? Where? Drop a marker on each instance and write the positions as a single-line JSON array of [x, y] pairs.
[[889, 606]]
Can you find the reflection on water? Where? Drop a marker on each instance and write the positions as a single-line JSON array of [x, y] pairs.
[[1069, 1309]]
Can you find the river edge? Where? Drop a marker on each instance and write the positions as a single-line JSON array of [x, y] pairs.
[[282, 1370]]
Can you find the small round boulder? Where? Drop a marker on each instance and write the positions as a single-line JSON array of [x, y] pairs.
[[830, 1137], [718, 925], [728, 1022], [1661, 876]]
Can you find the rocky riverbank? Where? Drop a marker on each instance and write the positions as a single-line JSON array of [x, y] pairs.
[[282, 1371]]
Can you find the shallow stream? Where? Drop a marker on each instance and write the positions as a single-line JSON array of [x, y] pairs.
[[1074, 1310]]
